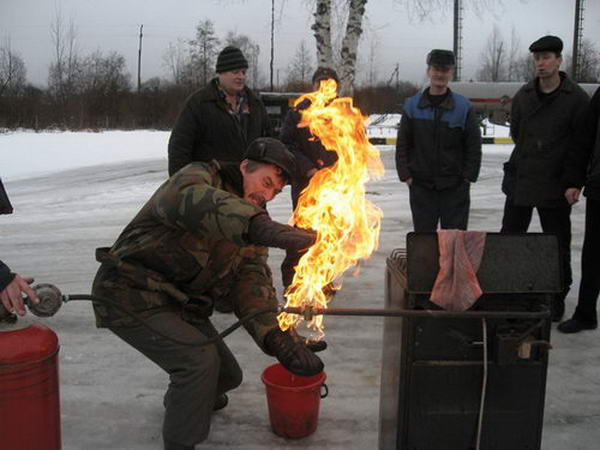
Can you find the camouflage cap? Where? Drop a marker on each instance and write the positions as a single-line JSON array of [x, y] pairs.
[[273, 151]]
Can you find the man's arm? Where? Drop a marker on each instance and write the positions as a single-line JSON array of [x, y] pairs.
[[182, 140], [580, 149], [472, 142], [290, 136], [403, 143]]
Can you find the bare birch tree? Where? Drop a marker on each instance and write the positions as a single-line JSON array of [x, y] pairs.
[[66, 67], [349, 45]]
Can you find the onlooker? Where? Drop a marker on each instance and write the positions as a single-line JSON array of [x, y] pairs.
[[548, 126], [12, 286], [585, 316], [201, 236], [220, 120], [310, 155], [438, 151]]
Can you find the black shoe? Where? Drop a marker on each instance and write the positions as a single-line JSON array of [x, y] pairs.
[[575, 326], [224, 305], [220, 402]]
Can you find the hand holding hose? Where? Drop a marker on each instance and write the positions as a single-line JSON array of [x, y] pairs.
[[12, 295], [292, 354]]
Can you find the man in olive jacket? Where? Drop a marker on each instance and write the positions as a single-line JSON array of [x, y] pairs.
[[201, 236], [220, 120], [438, 150], [549, 128]]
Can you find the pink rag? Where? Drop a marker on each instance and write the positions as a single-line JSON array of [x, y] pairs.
[[456, 287]]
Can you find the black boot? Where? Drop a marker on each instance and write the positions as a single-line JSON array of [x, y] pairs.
[[169, 445]]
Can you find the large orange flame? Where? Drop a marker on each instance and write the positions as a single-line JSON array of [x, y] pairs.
[[334, 203]]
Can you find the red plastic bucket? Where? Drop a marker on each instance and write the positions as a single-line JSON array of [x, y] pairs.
[[293, 401]]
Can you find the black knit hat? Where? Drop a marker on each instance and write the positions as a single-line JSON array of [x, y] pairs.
[[273, 151], [437, 57], [547, 44], [231, 58]]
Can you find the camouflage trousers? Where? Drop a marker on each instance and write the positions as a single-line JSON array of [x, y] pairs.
[[197, 374]]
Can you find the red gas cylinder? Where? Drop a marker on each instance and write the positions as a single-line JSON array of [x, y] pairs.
[[29, 399]]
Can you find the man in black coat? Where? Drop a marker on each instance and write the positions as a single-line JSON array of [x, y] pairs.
[[438, 150], [585, 316], [220, 120], [549, 128], [310, 155]]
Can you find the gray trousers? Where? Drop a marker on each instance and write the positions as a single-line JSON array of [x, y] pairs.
[[197, 374]]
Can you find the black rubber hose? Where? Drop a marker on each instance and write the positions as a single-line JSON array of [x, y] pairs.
[[143, 322]]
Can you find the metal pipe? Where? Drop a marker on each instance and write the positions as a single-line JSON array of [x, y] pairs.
[[308, 312]]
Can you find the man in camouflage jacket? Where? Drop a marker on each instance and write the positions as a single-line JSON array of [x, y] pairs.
[[201, 236]]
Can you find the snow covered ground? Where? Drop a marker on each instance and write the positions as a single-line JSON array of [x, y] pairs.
[[73, 192]]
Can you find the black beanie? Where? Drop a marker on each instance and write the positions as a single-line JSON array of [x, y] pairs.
[[231, 58]]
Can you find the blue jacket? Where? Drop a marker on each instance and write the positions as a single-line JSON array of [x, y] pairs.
[[438, 146]]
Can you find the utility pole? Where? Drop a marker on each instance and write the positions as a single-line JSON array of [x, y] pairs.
[[577, 38], [140, 61], [272, 39], [458, 11]]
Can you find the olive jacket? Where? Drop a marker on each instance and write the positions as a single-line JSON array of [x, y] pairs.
[[186, 247]]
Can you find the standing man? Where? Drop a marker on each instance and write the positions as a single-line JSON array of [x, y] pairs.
[[310, 155], [586, 315], [220, 120], [548, 126], [201, 236], [438, 150]]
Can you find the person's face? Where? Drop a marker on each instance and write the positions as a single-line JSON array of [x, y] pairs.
[[233, 81], [440, 76], [262, 184], [547, 64]]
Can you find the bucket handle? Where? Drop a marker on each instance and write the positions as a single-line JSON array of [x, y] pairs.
[[326, 393]]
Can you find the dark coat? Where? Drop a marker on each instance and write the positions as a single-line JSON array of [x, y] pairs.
[[592, 184], [308, 150], [438, 147], [551, 145], [205, 130], [6, 276]]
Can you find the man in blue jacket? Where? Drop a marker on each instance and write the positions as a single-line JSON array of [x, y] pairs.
[[438, 151]]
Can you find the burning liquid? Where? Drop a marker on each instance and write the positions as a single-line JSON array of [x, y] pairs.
[[334, 203]]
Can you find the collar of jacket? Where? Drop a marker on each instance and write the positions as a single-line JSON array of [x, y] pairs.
[[566, 84], [232, 176], [211, 93], [424, 102]]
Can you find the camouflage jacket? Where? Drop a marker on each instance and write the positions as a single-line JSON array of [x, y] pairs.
[[186, 247]]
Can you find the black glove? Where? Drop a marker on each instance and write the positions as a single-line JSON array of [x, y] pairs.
[[268, 233], [311, 344], [293, 355]]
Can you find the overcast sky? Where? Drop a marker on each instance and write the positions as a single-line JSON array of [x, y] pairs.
[[113, 25]]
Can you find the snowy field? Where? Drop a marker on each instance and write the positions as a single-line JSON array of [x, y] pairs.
[[73, 192]]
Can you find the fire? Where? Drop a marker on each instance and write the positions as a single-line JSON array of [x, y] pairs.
[[334, 203]]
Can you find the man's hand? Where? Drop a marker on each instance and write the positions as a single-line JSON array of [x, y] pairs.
[[572, 195], [409, 181], [268, 233], [293, 355], [12, 298]]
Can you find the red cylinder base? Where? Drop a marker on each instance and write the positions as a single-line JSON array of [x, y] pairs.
[[29, 395]]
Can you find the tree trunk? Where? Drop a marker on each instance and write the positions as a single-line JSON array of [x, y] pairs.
[[350, 46], [322, 29]]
